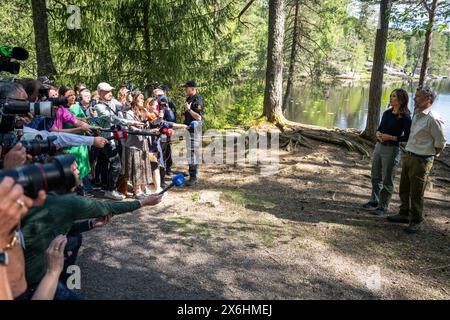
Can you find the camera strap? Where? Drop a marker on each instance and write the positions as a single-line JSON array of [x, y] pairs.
[[109, 108]]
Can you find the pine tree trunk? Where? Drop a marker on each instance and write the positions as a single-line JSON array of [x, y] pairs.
[[376, 81], [427, 46], [146, 32], [293, 58], [45, 66], [273, 96]]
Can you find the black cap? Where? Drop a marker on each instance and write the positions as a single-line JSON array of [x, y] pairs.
[[190, 84]]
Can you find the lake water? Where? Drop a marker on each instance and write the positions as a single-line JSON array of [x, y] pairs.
[[345, 105]]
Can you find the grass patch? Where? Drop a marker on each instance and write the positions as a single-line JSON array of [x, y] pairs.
[[195, 197], [247, 200], [187, 227]]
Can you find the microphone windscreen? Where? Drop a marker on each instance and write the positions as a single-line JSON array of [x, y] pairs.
[[19, 53]]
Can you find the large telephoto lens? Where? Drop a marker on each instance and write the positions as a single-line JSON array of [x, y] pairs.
[[38, 147], [55, 176], [43, 108]]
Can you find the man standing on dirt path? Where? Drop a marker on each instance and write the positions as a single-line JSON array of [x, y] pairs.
[[194, 118], [426, 141]]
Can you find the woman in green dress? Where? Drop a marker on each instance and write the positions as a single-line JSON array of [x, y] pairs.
[[81, 153]]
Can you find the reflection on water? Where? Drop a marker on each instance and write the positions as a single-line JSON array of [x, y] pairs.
[[345, 106]]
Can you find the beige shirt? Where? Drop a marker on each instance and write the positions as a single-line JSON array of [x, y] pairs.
[[427, 133]]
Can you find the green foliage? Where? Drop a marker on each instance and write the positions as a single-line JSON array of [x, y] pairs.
[[414, 15], [439, 62], [146, 42], [400, 57], [237, 107], [391, 52], [396, 52]]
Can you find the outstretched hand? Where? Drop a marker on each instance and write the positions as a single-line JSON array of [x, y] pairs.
[[152, 200], [101, 222]]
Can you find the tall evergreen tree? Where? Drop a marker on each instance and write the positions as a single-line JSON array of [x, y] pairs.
[[376, 81], [273, 96], [44, 59]]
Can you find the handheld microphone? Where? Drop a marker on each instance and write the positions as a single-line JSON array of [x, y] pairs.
[[177, 181]]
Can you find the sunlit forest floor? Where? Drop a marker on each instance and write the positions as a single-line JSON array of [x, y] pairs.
[[299, 234]]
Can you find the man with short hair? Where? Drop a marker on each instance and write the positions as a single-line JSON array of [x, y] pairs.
[[426, 141], [109, 115], [193, 118]]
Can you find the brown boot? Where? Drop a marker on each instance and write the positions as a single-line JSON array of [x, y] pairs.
[[123, 185]]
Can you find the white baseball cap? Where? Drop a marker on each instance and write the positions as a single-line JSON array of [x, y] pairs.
[[104, 87]]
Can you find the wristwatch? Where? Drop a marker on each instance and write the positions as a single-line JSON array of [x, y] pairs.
[[3, 258]]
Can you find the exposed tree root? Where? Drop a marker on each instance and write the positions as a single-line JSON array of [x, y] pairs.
[[442, 162], [294, 134]]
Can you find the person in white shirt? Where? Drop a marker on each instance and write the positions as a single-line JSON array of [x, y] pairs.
[[426, 141]]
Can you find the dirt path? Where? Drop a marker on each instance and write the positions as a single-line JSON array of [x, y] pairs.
[[298, 234]]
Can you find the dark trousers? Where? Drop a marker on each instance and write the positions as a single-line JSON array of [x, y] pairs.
[[167, 158], [193, 152], [167, 155], [114, 166], [101, 168], [414, 178]]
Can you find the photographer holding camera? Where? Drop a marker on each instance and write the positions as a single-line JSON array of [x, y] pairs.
[[64, 212], [13, 206]]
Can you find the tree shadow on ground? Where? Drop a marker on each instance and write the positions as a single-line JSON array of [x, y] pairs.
[[361, 236], [147, 267]]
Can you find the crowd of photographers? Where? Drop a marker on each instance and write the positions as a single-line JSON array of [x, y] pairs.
[[61, 148]]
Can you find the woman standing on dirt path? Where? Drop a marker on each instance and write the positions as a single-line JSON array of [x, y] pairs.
[[394, 128]]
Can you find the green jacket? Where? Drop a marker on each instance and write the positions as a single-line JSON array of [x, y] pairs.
[[57, 216]]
